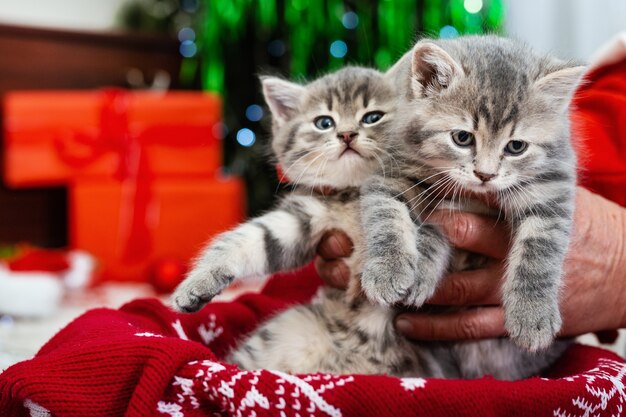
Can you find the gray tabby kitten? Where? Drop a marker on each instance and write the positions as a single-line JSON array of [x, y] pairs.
[[490, 116], [330, 133], [333, 132]]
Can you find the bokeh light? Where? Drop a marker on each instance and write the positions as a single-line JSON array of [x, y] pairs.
[[188, 49], [246, 137], [350, 20], [473, 6], [338, 49], [448, 32], [186, 34], [276, 48], [190, 6], [254, 113]]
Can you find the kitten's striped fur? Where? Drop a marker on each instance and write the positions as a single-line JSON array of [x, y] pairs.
[[285, 238], [339, 333], [499, 91]]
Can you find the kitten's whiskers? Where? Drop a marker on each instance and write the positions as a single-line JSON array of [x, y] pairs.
[[445, 171], [441, 189], [304, 171], [442, 192]]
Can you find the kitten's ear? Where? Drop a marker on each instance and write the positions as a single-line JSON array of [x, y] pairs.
[[559, 86], [282, 97], [432, 69]]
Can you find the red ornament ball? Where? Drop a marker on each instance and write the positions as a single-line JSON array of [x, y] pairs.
[[167, 273]]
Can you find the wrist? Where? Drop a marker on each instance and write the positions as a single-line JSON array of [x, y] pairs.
[[596, 264], [618, 270]]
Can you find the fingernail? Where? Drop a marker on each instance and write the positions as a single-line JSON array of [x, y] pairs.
[[339, 275], [335, 245], [404, 326]]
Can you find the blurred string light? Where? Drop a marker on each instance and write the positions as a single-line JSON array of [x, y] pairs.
[[190, 6], [246, 137], [350, 20], [186, 34], [254, 112], [276, 48], [473, 6], [338, 49], [188, 49], [448, 32]]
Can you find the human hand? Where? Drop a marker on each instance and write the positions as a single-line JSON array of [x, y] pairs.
[[333, 246], [593, 295]]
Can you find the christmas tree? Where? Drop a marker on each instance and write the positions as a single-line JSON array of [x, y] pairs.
[[226, 44]]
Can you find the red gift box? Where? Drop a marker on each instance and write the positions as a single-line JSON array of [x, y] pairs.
[[141, 168], [175, 221], [53, 137]]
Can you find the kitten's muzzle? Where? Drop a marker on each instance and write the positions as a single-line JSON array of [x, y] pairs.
[[347, 137], [483, 176]]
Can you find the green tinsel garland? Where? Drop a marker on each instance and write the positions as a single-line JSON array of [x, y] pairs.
[[386, 28]]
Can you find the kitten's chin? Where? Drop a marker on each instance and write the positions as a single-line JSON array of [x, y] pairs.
[[485, 188], [346, 181], [345, 177], [350, 170]]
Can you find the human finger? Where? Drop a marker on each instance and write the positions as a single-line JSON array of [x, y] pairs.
[[471, 288], [473, 232], [475, 323], [334, 244], [334, 273]]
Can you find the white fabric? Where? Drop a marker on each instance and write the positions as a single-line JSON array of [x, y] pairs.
[[29, 294]]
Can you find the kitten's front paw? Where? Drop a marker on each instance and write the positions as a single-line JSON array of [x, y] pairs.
[[388, 282], [532, 325], [200, 286], [421, 290], [385, 282]]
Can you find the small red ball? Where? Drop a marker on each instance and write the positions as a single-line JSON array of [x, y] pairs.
[[166, 274]]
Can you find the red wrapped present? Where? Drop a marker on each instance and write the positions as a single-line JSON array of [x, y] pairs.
[[130, 229], [51, 138], [141, 168]]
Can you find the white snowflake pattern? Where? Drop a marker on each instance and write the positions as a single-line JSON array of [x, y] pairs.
[[186, 386], [411, 384], [35, 409], [605, 389], [174, 410], [312, 394], [211, 332], [148, 334], [237, 391], [178, 328]]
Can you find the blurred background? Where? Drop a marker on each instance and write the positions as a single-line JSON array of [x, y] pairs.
[[121, 173], [223, 45]]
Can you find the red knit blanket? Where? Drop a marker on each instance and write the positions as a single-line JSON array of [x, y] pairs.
[[145, 360]]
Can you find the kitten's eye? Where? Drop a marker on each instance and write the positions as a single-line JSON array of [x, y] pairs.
[[372, 117], [462, 138], [515, 147], [324, 122]]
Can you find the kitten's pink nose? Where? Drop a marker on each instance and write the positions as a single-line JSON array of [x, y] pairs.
[[347, 137], [484, 177]]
